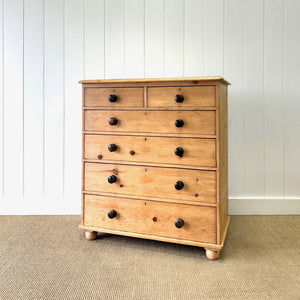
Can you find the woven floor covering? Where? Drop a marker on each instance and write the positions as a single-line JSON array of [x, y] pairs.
[[47, 257]]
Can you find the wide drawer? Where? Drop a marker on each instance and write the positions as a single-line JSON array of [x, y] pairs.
[[196, 152], [196, 96], [123, 97], [151, 217], [141, 181], [194, 122]]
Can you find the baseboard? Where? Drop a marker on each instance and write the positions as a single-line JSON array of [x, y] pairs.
[[262, 206]]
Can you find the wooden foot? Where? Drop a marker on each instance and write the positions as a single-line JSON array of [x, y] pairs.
[[212, 254], [90, 235]]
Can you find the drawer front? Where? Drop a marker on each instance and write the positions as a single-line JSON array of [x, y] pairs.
[[199, 186], [195, 122], [196, 96], [197, 152], [126, 97], [151, 217]]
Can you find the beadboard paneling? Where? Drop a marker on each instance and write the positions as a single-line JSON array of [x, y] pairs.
[[47, 46]]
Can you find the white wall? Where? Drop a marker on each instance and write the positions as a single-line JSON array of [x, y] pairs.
[[47, 46]]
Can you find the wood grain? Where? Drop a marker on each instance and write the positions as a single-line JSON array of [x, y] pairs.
[[127, 97], [195, 122], [138, 216], [151, 181], [195, 96], [144, 163], [223, 161], [190, 80], [148, 149]]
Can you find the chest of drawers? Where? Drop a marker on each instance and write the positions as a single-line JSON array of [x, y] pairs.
[[154, 162]]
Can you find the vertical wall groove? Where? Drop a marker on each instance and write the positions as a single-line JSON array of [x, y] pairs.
[[64, 100], [243, 98], [2, 106], [183, 44], [203, 33], [283, 111], [164, 39], [263, 99], [23, 114]]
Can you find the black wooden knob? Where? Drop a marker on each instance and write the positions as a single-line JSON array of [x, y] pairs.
[[112, 98], [112, 179], [112, 147], [179, 223], [179, 151], [179, 98], [179, 185], [179, 123], [112, 214], [113, 121]]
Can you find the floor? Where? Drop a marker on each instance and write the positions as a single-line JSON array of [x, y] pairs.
[[47, 257]]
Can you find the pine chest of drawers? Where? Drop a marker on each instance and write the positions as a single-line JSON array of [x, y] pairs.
[[154, 161]]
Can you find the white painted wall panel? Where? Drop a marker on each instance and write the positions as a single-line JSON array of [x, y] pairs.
[[174, 45], [194, 38], [114, 39], [74, 62], [33, 100], [13, 102], [54, 102], [134, 39], [253, 97], [94, 39], [234, 73], [273, 98], [291, 98], [46, 47], [213, 37], [154, 38]]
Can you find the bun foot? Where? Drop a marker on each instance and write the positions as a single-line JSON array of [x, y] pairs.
[[212, 254], [90, 235]]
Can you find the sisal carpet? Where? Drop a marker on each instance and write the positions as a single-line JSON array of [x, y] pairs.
[[47, 257]]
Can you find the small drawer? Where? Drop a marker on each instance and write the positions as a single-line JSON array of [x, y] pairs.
[[186, 222], [182, 97], [194, 122], [172, 183], [114, 97], [147, 149]]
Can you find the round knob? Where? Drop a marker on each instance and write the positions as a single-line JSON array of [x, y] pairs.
[[179, 98], [112, 179], [179, 123], [112, 214], [112, 147], [112, 98], [179, 223], [113, 121], [179, 185], [179, 151]]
